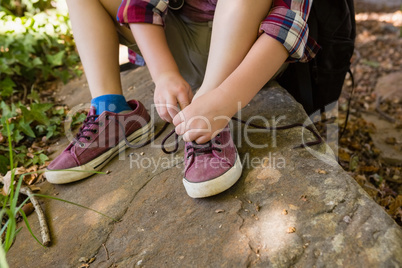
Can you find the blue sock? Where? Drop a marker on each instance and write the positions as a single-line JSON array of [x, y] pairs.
[[111, 102]]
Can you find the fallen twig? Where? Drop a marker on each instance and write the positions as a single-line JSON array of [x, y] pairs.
[[44, 229], [107, 252]]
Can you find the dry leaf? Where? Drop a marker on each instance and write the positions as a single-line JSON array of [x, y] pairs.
[[28, 208], [257, 207], [7, 179], [34, 188], [343, 156], [291, 230], [355, 145], [265, 163], [31, 178], [293, 207], [369, 169], [390, 140], [395, 205], [83, 259], [320, 171]]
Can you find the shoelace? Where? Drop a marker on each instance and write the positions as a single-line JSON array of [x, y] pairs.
[[201, 148], [90, 120], [209, 148], [86, 127]]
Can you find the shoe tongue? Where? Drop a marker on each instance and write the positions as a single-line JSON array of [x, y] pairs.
[[92, 111]]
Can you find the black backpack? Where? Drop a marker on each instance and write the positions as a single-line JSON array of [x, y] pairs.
[[319, 82]]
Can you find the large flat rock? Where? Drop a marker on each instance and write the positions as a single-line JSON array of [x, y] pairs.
[[291, 207]]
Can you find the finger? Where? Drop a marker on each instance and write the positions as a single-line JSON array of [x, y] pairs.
[[158, 108], [202, 139], [189, 136], [180, 129], [179, 118], [172, 108], [184, 100], [162, 111], [195, 133]]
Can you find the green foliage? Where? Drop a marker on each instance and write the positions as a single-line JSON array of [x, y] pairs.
[[19, 7], [34, 49], [26, 123], [36, 46]]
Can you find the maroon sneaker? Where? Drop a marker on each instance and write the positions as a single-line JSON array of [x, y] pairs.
[[98, 141], [211, 168]]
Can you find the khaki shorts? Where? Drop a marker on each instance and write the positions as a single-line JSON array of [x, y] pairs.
[[189, 43]]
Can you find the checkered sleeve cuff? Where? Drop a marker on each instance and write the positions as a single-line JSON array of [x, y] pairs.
[[290, 28], [144, 11]]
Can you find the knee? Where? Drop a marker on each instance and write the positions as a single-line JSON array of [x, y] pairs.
[[258, 8]]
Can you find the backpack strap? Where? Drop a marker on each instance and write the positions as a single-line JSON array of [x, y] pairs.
[[303, 75], [349, 104]]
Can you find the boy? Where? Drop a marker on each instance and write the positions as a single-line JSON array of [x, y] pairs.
[[228, 49]]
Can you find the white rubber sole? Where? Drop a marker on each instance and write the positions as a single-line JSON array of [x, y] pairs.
[[215, 186], [86, 170]]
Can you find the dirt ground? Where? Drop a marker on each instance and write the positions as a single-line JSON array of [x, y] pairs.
[[371, 147]]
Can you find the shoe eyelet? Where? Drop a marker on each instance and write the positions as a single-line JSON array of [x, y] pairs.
[[95, 131], [220, 150], [218, 142], [88, 138], [107, 117], [219, 135], [101, 124], [82, 145]]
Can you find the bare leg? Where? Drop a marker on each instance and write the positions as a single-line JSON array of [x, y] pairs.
[[97, 42], [234, 32]]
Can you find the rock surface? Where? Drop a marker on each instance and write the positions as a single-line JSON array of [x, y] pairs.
[[389, 87], [387, 138], [291, 207]]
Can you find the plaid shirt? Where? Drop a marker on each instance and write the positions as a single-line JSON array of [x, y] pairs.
[[286, 22]]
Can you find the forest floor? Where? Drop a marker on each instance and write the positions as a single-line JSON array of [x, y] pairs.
[[371, 147]]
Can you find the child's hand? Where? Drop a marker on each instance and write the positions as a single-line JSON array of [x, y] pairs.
[[205, 117], [171, 89]]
